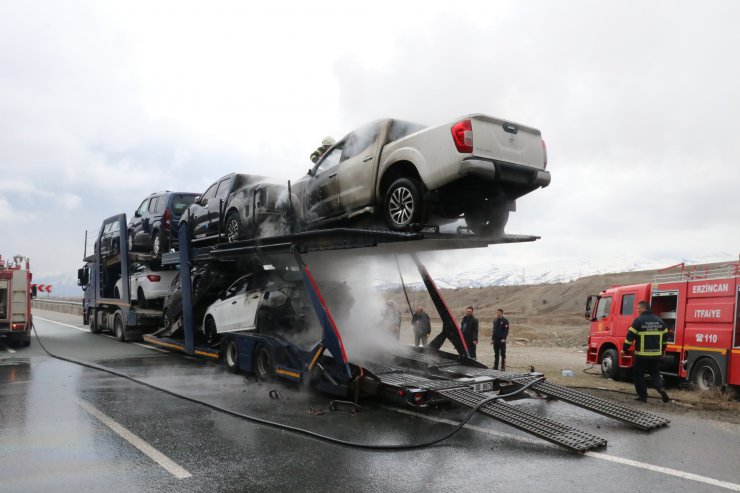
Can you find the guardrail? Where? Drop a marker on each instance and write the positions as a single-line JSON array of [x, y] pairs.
[[74, 307]]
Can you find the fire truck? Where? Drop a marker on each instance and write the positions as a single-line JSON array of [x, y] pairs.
[[701, 310], [15, 300]]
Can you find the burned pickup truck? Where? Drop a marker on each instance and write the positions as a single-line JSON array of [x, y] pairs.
[[409, 176]]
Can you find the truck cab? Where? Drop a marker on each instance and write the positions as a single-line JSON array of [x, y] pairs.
[[610, 314]]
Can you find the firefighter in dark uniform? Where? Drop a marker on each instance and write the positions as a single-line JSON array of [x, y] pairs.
[[469, 328], [498, 339], [325, 145], [649, 335]]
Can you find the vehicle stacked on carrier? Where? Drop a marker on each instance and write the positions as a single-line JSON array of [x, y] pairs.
[[243, 293]]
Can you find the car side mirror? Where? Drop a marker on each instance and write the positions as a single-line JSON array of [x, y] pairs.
[[222, 295], [137, 214], [310, 172], [197, 200]]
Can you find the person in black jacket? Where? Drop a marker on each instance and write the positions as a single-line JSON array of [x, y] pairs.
[[498, 339], [649, 335], [422, 326], [469, 328]]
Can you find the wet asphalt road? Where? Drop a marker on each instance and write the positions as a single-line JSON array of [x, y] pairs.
[[64, 427]]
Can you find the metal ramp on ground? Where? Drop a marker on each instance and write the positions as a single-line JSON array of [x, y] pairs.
[[449, 366], [462, 394]]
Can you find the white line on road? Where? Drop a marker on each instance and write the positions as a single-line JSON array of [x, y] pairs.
[[596, 455], [105, 335], [171, 466], [10, 350]]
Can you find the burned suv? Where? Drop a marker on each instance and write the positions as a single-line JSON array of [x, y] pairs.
[[237, 207]]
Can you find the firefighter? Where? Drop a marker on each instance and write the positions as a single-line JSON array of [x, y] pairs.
[[325, 145], [469, 328], [649, 335], [498, 339], [422, 326]]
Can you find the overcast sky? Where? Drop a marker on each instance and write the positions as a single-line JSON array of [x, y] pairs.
[[102, 103]]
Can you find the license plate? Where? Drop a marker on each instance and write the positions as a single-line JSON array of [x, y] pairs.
[[483, 386]]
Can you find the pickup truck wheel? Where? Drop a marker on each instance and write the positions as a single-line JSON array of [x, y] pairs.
[[403, 205], [610, 364], [486, 219], [118, 328], [706, 375], [231, 356], [233, 228], [263, 363]]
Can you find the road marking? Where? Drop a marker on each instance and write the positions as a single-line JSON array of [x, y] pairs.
[[60, 323], [596, 455], [8, 349], [171, 466], [104, 335]]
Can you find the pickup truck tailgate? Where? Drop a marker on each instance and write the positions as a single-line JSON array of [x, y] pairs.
[[507, 141]]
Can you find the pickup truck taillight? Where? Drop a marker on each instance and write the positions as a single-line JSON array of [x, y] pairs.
[[544, 151], [153, 278], [166, 218], [462, 134]]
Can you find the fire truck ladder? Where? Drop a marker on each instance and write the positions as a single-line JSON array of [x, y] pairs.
[[448, 367], [462, 394]]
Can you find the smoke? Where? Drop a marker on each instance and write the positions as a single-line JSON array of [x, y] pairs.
[[365, 331]]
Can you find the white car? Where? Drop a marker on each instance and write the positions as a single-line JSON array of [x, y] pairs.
[[146, 285]]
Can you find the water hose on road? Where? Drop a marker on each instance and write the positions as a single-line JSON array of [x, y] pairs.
[[281, 426]]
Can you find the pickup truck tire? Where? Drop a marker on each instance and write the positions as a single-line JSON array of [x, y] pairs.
[[610, 364], [233, 227], [486, 219], [403, 204], [118, 328], [231, 356]]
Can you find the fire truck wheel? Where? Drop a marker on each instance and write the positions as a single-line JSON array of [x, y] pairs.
[[263, 363], [118, 328], [706, 375], [610, 364], [231, 356]]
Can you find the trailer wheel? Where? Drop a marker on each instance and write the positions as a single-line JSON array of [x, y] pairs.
[[403, 204], [94, 328], [263, 363], [231, 356], [118, 328], [706, 375], [610, 364]]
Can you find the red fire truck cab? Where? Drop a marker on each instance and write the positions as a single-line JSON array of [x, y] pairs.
[[15, 301], [701, 311]]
